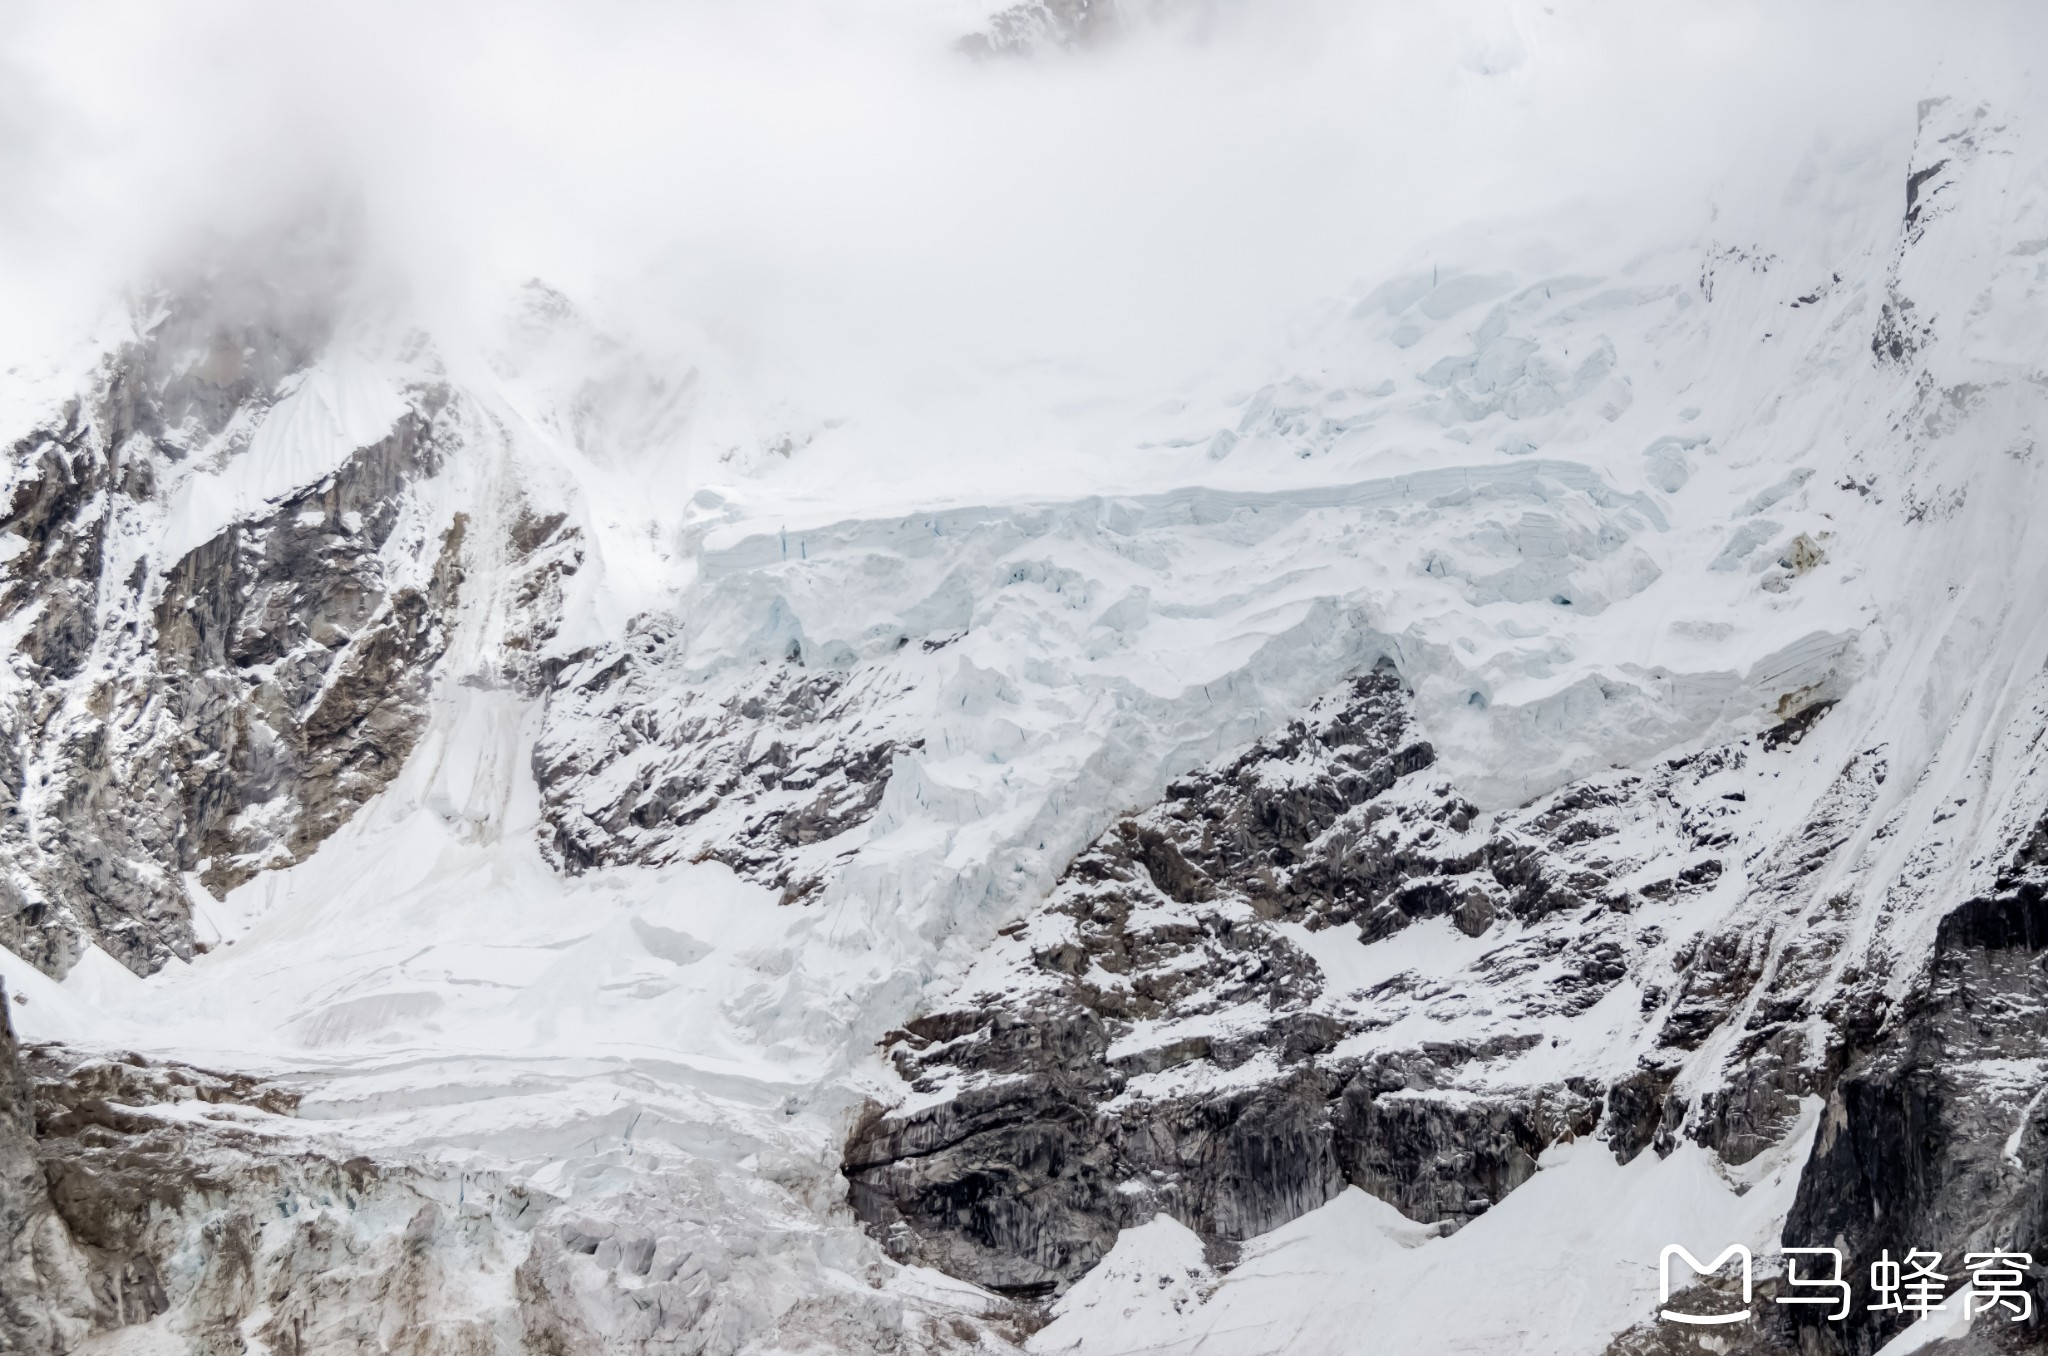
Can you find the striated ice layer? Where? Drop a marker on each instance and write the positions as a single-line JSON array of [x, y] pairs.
[[638, 797]]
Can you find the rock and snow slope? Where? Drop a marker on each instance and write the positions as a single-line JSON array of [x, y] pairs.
[[1547, 768]]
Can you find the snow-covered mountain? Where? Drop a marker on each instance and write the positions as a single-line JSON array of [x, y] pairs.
[[518, 840]]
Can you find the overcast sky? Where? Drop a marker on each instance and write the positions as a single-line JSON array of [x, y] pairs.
[[813, 179]]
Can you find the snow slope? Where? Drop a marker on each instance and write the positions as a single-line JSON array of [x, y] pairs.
[[1597, 514]]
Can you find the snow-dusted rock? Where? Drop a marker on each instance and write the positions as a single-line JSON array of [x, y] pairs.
[[1546, 759]]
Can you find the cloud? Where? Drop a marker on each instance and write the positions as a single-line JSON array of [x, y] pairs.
[[837, 199]]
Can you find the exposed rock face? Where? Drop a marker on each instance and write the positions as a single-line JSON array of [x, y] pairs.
[[302, 661], [193, 1199], [763, 771], [222, 708], [234, 588], [140, 1192], [1174, 1033], [1935, 1135], [1953, 134], [1161, 1038], [1045, 25], [46, 1302]]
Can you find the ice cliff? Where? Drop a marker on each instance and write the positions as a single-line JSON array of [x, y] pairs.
[[1550, 764]]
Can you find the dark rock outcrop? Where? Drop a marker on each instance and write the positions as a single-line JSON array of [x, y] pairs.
[[761, 770], [1935, 1135], [1035, 26], [1213, 1017], [1161, 1038], [45, 1286], [224, 711], [155, 1189]]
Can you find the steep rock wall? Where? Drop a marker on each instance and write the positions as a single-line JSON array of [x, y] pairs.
[[220, 709]]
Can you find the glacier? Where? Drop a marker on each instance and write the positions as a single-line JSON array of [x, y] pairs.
[[517, 843]]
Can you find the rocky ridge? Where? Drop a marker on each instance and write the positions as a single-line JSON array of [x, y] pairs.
[[1312, 962], [1178, 1032], [763, 771], [1182, 1031], [234, 567], [144, 1196], [220, 709], [1758, 929]]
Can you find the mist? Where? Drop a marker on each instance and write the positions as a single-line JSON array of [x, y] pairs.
[[1254, 676], [846, 209]]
